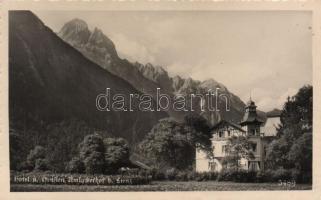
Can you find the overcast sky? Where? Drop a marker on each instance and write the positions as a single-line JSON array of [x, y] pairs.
[[265, 53]]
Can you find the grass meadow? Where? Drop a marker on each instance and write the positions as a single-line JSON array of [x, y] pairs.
[[161, 186]]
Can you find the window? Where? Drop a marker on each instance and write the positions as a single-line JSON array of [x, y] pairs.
[[257, 131], [223, 148], [211, 166], [220, 133], [254, 147], [254, 166], [228, 133]]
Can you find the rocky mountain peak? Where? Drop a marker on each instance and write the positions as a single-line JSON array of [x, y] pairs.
[[177, 82], [75, 32], [154, 73], [189, 86], [212, 84], [98, 38], [78, 24]]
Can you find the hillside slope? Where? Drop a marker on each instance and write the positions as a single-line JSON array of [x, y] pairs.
[[52, 81]]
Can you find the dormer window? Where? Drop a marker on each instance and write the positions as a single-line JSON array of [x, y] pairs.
[[254, 147]]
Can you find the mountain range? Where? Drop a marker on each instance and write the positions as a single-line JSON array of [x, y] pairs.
[[55, 77], [97, 47]]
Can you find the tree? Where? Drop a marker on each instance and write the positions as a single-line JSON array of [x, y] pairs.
[[116, 154], [297, 113], [92, 154], [236, 149], [75, 166], [276, 154], [292, 149], [301, 154], [158, 145], [16, 146], [41, 164], [63, 138], [166, 145], [199, 133], [36, 159], [98, 155], [171, 144]]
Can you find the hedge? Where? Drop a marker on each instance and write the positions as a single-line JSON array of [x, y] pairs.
[[231, 175]]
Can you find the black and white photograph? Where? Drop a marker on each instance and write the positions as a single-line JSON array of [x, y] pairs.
[[160, 100]]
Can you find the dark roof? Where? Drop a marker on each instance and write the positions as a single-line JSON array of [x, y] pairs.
[[140, 164], [251, 118], [250, 115], [223, 122], [138, 161], [274, 113], [250, 103]]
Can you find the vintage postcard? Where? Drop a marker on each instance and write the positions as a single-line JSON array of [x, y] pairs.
[[135, 98]]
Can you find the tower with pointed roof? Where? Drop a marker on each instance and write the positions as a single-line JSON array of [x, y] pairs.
[[251, 123], [260, 133]]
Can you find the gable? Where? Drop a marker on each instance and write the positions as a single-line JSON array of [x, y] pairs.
[[270, 126]]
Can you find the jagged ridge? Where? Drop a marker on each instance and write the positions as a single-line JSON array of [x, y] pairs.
[[147, 78]]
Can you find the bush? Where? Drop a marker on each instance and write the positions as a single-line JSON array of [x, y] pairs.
[[234, 175], [75, 166], [281, 174], [41, 165], [36, 160], [213, 176], [261, 177], [159, 176], [191, 175], [226, 175], [143, 172], [156, 174], [206, 176], [202, 176], [288, 175], [170, 174], [37, 152], [244, 176], [25, 166], [182, 176]]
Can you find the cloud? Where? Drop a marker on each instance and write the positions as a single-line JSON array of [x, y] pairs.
[[282, 99], [131, 49], [245, 51], [267, 104], [266, 100]]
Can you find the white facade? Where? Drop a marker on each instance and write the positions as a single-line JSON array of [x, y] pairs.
[[259, 133]]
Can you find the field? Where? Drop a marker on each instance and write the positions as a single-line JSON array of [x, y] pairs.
[[162, 186]]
